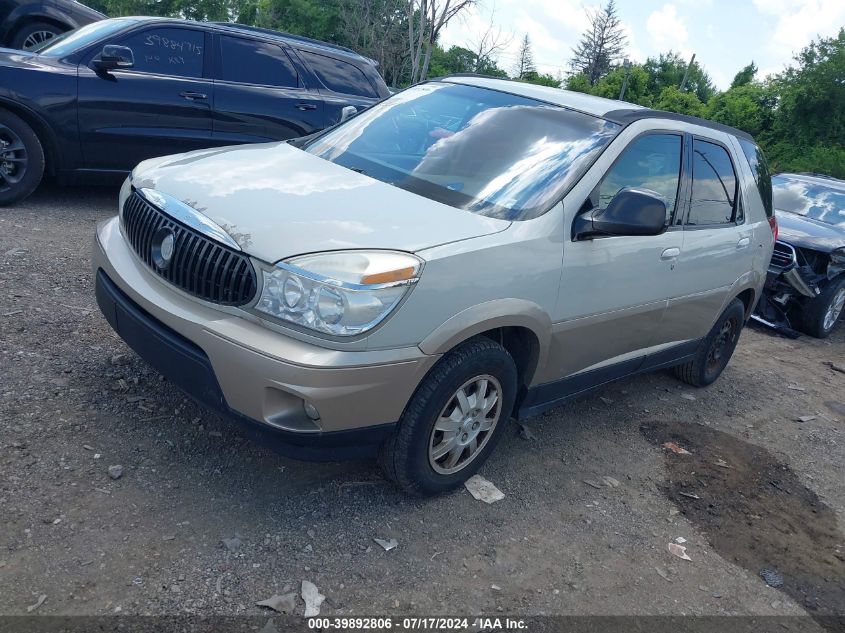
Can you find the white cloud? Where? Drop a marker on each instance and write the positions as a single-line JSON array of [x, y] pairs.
[[799, 21], [668, 30]]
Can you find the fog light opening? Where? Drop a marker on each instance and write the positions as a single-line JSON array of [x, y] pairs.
[[311, 411]]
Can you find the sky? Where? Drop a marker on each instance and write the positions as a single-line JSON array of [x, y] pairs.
[[725, 35]]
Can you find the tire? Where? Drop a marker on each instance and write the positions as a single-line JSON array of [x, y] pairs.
[[820, 314], [716, 349], [21, 159], [35, 33], [410, 458]]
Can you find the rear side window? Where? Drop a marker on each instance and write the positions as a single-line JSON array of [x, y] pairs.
[[167, 51], [649, 162], [339, 76], [255, 62], [760, 169], [713, 185]]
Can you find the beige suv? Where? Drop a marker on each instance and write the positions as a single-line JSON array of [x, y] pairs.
[[466, 251]]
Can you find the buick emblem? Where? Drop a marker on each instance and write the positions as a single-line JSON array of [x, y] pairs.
[[164, 242]]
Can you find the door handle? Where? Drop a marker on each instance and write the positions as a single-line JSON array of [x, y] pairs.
[[743, 242], [190, 96], [306, 106], [670, 253]]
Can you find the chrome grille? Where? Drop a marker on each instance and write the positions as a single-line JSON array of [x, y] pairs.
[[783, 255], [200, 266]]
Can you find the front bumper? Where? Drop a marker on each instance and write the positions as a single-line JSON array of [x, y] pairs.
[[255, 375]]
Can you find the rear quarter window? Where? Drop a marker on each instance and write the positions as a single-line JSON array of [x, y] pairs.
[[760, 169], [338, 75]]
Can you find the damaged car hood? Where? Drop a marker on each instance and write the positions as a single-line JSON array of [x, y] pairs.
[[809, 233], [277, 201]]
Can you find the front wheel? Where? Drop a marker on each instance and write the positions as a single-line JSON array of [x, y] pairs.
[[716, 349], [34, 34], [821, 313], [21, 159], [454, 420]]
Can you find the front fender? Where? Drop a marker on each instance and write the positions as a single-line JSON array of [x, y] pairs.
[[489, 316]]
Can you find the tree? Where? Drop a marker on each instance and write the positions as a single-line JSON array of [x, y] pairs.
[[668, 70], [487, 46], [637, 90], [377, 29], [672, 99], [602, 44], [524, 60], [745, 76], [426, 19], [749, 107]]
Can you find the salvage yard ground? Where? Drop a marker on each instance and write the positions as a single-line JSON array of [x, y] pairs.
[[198, 520]]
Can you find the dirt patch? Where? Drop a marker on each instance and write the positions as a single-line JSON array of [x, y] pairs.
[[756, 513]]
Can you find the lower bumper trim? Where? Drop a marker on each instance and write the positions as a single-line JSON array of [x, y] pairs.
[[186, 365]]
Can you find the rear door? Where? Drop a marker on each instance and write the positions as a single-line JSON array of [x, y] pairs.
[[719, 245], [162, 105], [260, 94], [341, 82]]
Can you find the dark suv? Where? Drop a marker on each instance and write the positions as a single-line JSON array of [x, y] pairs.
[[28, 24], [100, 99]]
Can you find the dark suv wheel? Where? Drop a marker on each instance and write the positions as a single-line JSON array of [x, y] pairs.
[[716, 349], [34, 34], [821, 313], [454, 420], [21, 159]]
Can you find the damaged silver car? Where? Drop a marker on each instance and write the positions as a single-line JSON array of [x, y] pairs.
[[805, 287]]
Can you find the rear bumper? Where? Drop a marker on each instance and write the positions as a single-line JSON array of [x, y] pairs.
[[251, 373]]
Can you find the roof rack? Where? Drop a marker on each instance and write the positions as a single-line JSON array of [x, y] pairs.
[[629, 115], [290, 36]]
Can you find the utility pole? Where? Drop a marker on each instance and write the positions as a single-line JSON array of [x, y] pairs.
[[627, 65], [686, 74]]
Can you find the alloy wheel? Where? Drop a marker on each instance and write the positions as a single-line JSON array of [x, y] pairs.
[[465, 424], [37, 38], [834, 310], [13, 158]]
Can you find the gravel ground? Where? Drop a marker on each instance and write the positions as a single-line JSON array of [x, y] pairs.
[[74, 401]]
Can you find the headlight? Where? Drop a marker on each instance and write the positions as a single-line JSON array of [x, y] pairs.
[[341, 293]]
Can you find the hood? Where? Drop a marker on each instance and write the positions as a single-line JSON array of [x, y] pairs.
[[14, 58], [809, 233], [277, 201]]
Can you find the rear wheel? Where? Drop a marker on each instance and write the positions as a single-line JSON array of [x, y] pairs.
[[34, 34], [21, 159], [454, 420], [716, 349], [821, 313]]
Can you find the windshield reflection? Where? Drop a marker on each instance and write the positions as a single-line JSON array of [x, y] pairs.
[[488, 152], [810, 199]]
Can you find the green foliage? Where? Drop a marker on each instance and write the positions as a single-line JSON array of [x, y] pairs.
[[749, 107], [668, 69], [460, 60], [637, 90], [579, 83], [745, 76], [541, 79], [672, 99]]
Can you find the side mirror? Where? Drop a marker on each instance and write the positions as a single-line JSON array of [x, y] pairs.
[[631, 212], [347, 113], [113, 56]]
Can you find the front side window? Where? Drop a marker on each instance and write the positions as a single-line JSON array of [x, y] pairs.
[[713, 185], [339, 76], [650, 162], [74, 40], [255, 62], [485, 151], [810, 197], [167, 51], [760, 169]]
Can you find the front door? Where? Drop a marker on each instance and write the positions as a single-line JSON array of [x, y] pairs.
[[614, 290], [162, 105], [260, 94]]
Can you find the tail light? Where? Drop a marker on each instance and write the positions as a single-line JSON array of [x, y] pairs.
[[773, 224]]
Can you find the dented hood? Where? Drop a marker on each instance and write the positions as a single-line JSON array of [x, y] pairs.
[[808, 233], [277, 201]]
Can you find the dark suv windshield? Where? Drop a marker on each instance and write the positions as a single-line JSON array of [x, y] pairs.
[[485, 151], [72, 41], [810, 198]]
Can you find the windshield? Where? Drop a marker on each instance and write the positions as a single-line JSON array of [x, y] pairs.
[[72, 41], [485, 151], [810, 198]]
